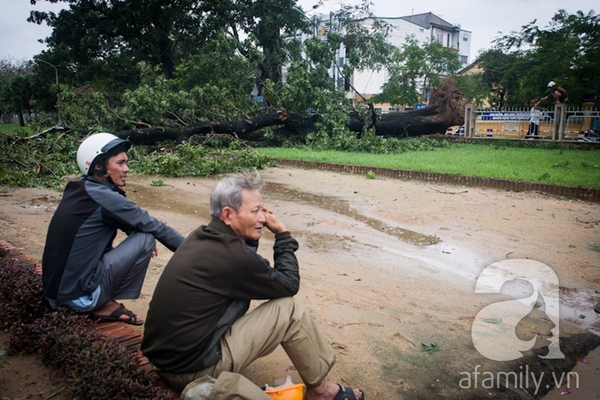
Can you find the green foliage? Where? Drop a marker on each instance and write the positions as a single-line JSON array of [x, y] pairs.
[[189, 159], [154, 102], [344, 140], [46, 160], [42, 161], [367, 47], [104, 40], [502, 72], [18, 96], [15, 82], [415, 67], [588, 165], [158, 183], [20, 292], [225, 78], [369, 144], [303, 91], [269, 22], [87, 111], [561, 164], [192, 65], [98, 367], [158, 102], [430, 348], [566, 51], [473, 88], [370, 175]]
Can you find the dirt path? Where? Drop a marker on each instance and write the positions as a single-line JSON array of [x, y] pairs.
[[389, 265]]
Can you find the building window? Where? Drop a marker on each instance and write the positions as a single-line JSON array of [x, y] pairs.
[[465, 39]]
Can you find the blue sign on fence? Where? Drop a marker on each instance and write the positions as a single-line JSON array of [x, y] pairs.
[[505, 115]]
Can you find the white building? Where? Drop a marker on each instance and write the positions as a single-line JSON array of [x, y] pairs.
[[425, 28]]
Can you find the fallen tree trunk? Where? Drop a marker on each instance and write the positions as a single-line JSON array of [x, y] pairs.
[[425, 121], [446, 108], [242, 129], [408, 124]]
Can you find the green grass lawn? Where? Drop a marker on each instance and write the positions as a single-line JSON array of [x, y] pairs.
[[12, 128], [573, 167]]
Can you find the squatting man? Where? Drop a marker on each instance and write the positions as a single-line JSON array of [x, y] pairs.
[[81, 268]]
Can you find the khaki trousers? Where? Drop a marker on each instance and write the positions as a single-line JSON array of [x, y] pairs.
[[282, 321]]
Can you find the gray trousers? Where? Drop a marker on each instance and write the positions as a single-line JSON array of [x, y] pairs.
[[282, 321], [124, 268]]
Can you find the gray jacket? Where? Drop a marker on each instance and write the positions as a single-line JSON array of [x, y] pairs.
[[83, 229]]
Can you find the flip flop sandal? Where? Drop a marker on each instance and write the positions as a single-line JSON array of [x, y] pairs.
[[346, 393], [116, 315]]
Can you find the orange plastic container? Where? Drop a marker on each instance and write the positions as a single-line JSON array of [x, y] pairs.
[[294, 392]]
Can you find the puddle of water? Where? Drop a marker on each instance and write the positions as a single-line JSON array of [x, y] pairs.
[[577, 306], [574, 305], [166, 198], [340, 206], [594, 247], [324, 242], [458, 261]]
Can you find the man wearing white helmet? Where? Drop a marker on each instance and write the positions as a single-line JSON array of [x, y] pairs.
[[80, 267], [558, 92]]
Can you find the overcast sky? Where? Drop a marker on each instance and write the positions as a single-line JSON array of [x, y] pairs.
[[484, 18]]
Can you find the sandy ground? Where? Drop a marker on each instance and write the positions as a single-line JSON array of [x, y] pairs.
[[389, 266]]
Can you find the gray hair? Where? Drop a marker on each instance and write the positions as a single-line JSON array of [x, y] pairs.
[[228, 192]]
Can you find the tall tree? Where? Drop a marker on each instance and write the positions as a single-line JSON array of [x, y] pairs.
[[108, 38], [271, 22], [415, 68], [566, 51], [10, 69], [18, 96], [473, 89], [501, 74]]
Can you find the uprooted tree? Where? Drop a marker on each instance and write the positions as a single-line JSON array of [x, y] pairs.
[[445, 109]]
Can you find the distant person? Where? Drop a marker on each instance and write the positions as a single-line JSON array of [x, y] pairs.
[[80, 267], [534, 120], [557, 92], [198, 325]]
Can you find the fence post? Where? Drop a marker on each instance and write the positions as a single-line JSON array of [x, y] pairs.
[[560, 117], [469, 120]]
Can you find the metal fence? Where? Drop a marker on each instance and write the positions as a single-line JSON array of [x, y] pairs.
[[561, 123], [9, 118]]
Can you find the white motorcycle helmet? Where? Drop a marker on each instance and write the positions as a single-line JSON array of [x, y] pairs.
[[96, 148], [551, 84]]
